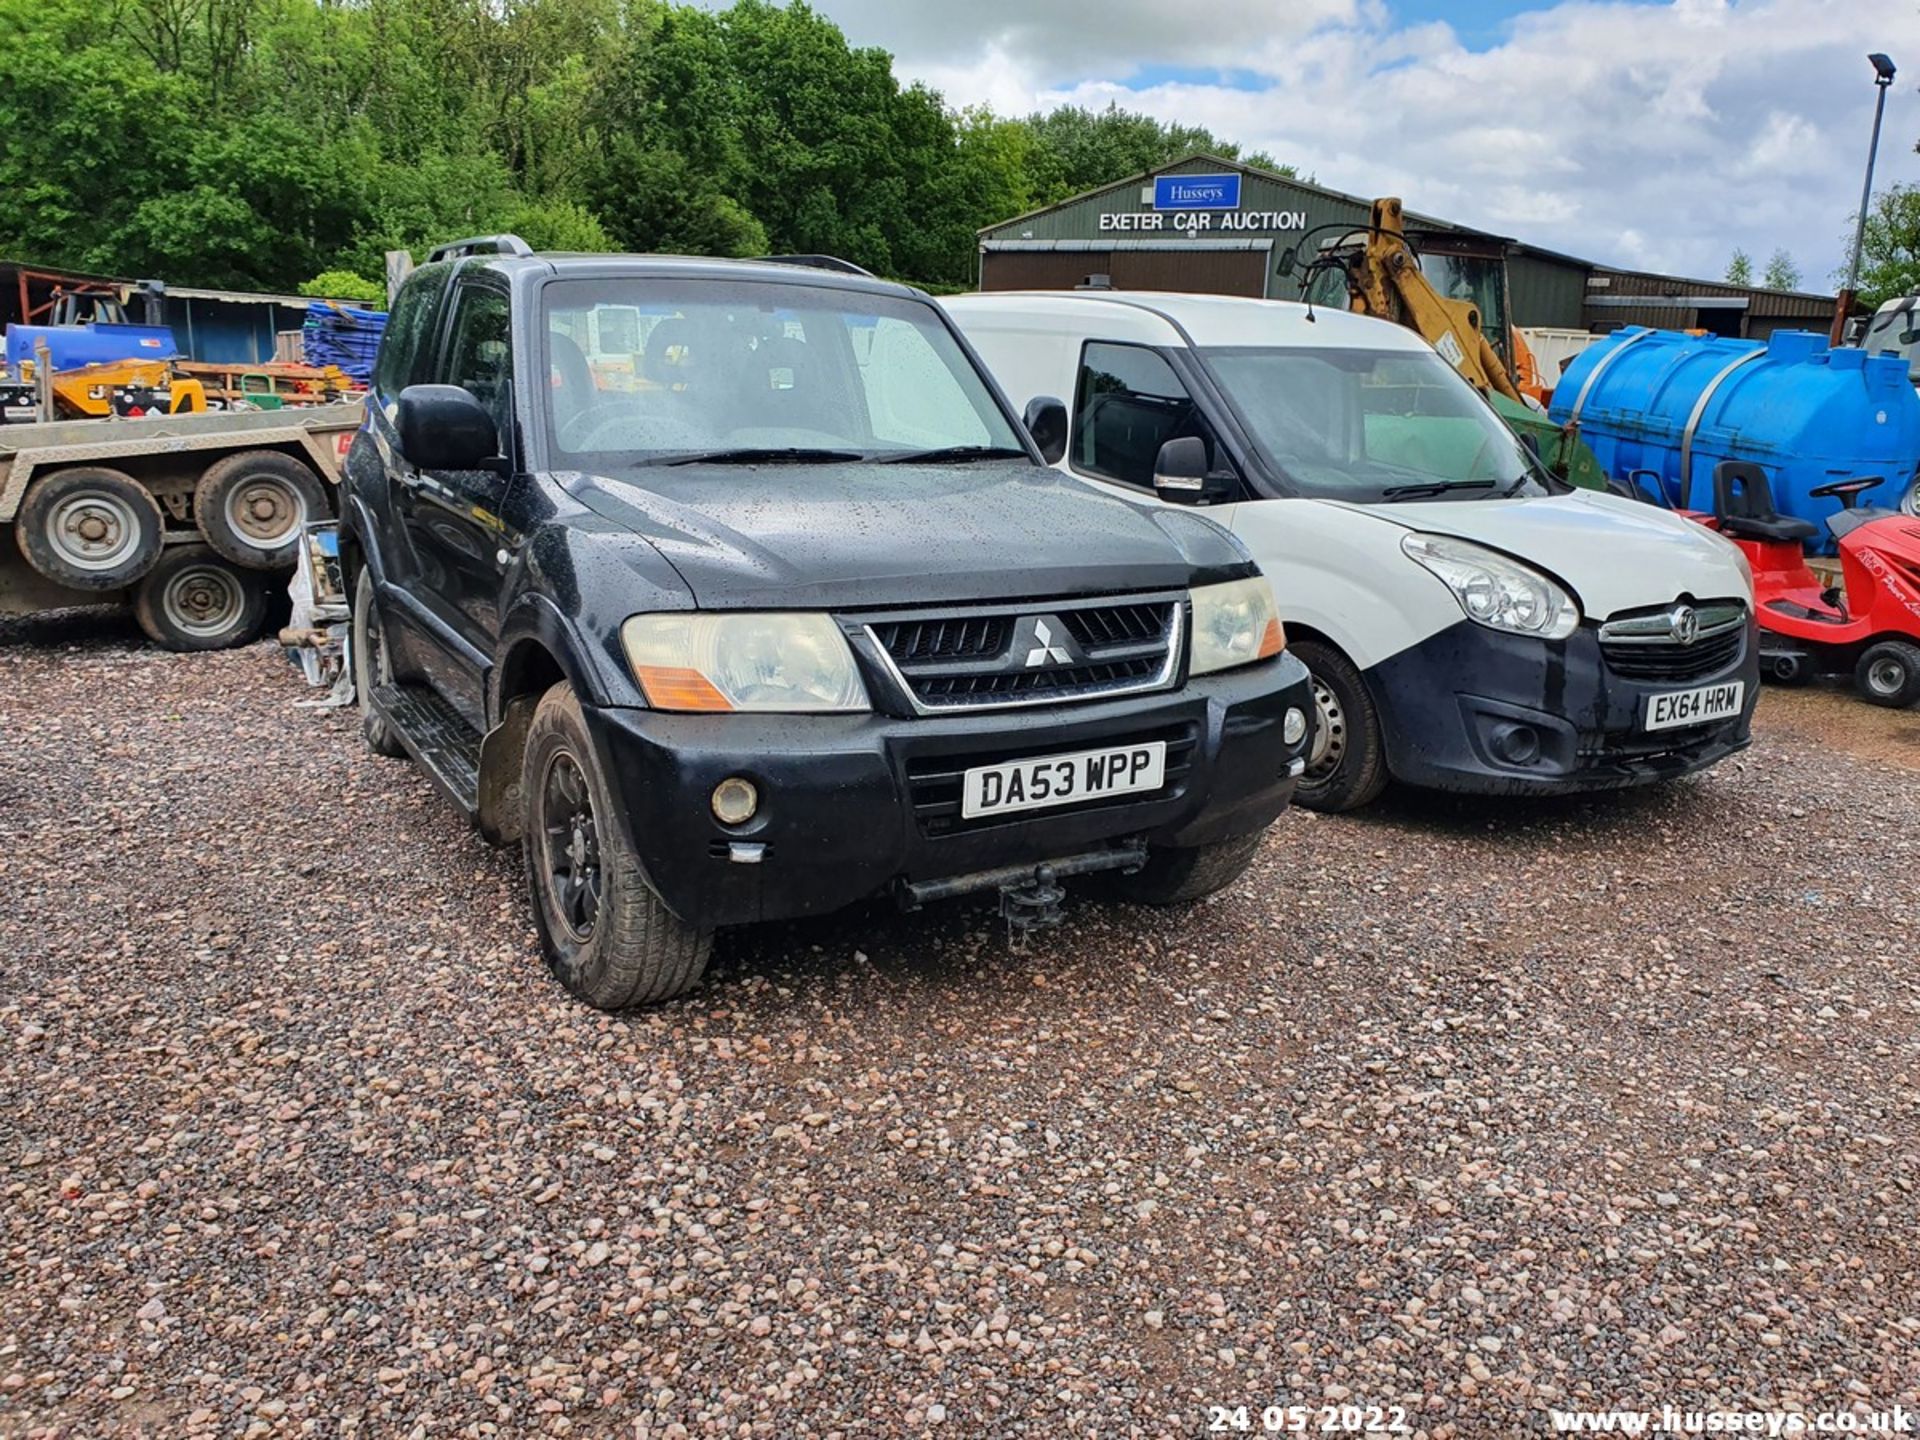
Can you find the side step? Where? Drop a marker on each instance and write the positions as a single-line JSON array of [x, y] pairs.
[[438, 738]]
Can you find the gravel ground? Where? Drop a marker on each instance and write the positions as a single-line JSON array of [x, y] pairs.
[[1470, 1108]]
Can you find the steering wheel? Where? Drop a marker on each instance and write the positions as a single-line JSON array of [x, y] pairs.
[[1847, 492], [582, 429]]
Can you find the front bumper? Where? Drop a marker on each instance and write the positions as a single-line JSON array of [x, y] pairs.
[[1449, 708], [852, 804]]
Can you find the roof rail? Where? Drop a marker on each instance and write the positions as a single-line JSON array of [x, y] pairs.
[[816, 262], [480, 245]]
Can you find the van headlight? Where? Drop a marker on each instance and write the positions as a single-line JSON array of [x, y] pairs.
[[768, 661], [1496, 590], [1234, 624]]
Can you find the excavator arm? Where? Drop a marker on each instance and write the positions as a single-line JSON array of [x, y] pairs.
[[1384, 279]]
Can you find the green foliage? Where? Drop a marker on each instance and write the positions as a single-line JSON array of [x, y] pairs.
[[1740, 268], [271, 144], [344, 285], [1890, 252], [1782, 272]]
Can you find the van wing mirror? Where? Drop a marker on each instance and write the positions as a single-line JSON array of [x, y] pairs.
[[1046, 422], [442, 427], [1180, 473]]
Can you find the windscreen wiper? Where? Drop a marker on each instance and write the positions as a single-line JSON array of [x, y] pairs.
[[948, 454], [1432, 487], [760, 455]]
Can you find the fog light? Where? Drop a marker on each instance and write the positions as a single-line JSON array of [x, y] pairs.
[[1516, 744], [735, 800], [1293, 729]]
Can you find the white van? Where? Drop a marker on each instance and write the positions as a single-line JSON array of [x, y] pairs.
[[1471, 622]]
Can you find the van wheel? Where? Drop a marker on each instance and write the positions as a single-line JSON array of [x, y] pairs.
[[372, 666], [1346, 766], [89, 528], [1889, 674], [1174, 876], [605, 934], [253, 507], [194, 600]]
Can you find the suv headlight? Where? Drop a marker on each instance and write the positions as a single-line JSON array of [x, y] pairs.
[[753, 661], [1496, 590], [1234, 624]]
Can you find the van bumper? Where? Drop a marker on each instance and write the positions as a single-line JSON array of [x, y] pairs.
[[853, 806], [1481, 711]]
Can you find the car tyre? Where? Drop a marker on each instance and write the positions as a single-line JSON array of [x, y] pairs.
[[1347, 763], [89, 528], [372, 666], [254, 507], [606, 936], [194, 600], [1888, 673], [1177, 875]]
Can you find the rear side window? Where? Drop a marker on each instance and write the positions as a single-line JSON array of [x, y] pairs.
[[1128, 404], [406, 349]]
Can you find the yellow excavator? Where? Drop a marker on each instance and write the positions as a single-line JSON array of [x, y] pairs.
[[1383, 277]]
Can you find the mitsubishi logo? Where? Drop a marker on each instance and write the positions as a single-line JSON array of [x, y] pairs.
[[1683, 624], [1044, 651]]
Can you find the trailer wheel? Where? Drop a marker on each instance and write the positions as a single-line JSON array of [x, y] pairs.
[[89, 528], [194, 599], [1889, 673], [253, 507]]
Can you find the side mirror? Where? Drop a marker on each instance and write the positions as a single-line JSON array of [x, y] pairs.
[[442, 427], [1046, 422], [1180, 474]]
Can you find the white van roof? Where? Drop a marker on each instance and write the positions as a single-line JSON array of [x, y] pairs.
[[1154, 317]]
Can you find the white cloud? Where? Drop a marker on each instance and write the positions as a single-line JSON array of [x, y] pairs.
[[1661, 135]]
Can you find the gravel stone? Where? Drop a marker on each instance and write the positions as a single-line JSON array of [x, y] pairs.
[[1474, 1107]]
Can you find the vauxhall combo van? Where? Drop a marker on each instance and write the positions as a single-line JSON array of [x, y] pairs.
[[1471, 623]]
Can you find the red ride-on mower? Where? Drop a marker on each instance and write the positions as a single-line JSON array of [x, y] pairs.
[[1869, 625]]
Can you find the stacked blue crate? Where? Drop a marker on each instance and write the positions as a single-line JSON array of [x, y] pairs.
[[339, 335]]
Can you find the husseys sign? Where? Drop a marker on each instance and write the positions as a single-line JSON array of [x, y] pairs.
[[1193, 203]]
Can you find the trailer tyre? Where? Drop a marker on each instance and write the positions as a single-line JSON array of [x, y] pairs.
[[253, 507], [371, 666], [192, 599], [89, 528], [1347, 766], [606, 935], [1889, 674]]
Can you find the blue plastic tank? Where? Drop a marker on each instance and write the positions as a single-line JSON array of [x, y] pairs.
[[1674, 404], [71, 346]]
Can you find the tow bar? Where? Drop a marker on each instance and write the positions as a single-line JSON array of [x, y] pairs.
[[1030, 895]]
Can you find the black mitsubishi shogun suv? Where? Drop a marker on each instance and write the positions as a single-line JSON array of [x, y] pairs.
[[735, 591]]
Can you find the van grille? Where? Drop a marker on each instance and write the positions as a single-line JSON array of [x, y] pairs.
[[1676, 644]]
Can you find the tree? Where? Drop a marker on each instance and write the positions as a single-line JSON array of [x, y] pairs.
[[344, 285], [1740, 268], [1890, 250], [1782, 272]]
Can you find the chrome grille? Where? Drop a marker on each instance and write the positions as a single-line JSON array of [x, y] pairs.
[[1676, 643], [1036, 653]]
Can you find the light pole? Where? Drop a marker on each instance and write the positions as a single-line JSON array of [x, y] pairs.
[[1882, 79]]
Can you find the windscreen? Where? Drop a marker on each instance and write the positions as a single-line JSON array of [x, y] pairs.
[[1369, 425], [645, 370]]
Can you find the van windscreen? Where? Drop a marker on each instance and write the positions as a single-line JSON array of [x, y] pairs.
[[1371, 425]]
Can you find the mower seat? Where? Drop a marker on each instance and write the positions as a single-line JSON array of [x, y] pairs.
[[1743, 505]]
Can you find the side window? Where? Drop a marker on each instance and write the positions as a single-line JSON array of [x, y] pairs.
[[1128, 403], [479, 354], [406, 345]]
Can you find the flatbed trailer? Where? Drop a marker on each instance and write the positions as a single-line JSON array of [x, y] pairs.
[[187, 518]]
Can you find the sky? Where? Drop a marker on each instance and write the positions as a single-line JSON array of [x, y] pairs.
[[1658, 134]]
